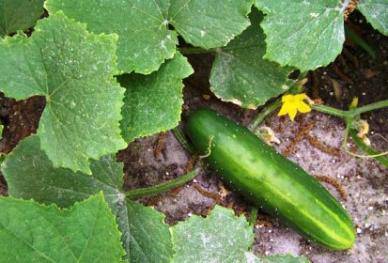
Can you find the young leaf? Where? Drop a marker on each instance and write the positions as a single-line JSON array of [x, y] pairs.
[[221, 237], [153, 103], [241, 75], [31, 175], [19, 15], [74, 70], [30, 232], [376, 12], [145, 39], [303, 34]]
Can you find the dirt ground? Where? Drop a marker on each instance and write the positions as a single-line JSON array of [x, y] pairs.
[[313, 141]]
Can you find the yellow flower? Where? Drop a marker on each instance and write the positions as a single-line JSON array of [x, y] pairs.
[[291, 104]]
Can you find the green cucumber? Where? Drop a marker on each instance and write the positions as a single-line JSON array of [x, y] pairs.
[[270, 181]]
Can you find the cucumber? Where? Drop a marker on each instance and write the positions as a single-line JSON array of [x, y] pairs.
[[270, 181]]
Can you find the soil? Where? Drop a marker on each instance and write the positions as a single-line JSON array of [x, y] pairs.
[[313, 141]]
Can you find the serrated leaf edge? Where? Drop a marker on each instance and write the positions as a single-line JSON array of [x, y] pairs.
[[268, 55], [229, 212]]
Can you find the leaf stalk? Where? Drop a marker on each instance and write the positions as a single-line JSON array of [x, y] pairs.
[[161, 188]]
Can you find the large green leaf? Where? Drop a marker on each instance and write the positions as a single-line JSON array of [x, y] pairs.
[[143, 26], [221, 237], [153, 103], [19, 15], [30, 232], [303, 34], [211, 23], [144, 38], [376, 12], [146, 238], [241, 75], [74, 70], [150, 238], [31, 175]]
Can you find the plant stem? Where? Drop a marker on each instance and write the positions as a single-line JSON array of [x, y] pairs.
[[348, 124], [195, 50], [253, 216], [331, 111], [267, 110], [180, 136], [368, 150], [373, 106], [352, 113], [161, 188], [356, 39]]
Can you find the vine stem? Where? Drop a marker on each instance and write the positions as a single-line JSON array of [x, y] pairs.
[[260, 117], [269, 108], [253, 216], [352, 113], [172, 184], [180, 136], [330, 110], [373, 106], [356, 39], [380, 157], [348, 116], [161, 188]]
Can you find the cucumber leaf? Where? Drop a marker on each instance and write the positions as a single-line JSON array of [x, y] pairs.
[[30, 175], [153, 103], [150, 238], [209, 24], [145, 39], [19, 15], [30, 232], [74, 70], [376, 12], [241, 75], [220, 237], [303, 34]]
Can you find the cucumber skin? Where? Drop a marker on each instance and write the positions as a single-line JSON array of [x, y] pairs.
[[270, 181]]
